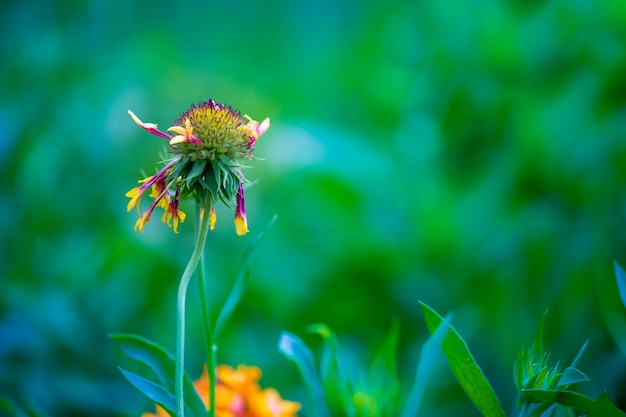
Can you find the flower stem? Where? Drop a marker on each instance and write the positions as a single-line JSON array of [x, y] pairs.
[[208, 335], [180, 305]]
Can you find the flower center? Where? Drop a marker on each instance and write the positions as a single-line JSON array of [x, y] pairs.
[[222, 131]]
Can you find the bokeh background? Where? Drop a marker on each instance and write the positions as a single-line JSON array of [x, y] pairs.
[[471, 155]]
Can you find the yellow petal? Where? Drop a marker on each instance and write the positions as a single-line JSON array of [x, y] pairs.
[[212, 219], [178, 139], [241, 225], [142, 221], [135, 197], [177, 129]]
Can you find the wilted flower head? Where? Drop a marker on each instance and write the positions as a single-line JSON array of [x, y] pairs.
[[207, 141], [238, 394]]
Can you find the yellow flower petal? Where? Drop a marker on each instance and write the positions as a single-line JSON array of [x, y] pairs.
[[212, 219], [135, 198], [241, 225], [178, 139], [142, 221], [177, 129]]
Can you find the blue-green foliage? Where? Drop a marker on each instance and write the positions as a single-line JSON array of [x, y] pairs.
[[337, 389], [620, 277], [361, 392], [160, 388], [464, 367], [543, 387], [294, 349]]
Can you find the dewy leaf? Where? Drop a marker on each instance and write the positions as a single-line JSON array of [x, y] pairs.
[[155, 392], [601, 407], [296, 351], [162, 364], [430, 351], [620, 276], [464, 366]]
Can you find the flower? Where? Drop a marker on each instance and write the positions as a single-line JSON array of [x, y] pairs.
[[206, 143], [238, 394]]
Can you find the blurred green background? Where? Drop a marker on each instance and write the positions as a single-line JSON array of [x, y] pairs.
[[471, 155]]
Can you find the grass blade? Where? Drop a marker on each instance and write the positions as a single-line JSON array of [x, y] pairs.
[[620, 276], [296, 351], [429, 353], [240, 282], [464, 366]]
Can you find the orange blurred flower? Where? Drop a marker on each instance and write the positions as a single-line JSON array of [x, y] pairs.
[[238, 394]]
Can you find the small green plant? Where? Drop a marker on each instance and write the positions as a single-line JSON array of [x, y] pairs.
[[336, 390], [533, 373]]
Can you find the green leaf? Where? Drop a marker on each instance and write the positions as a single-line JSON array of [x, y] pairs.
[[296, 351], [163, 364], [155, 392], [620, 277], [241, 281], [208, 183], [196, 171], [464, 366], [571, 376], [382, 378], [601, 407], [150, 353], [334, 375], [429, 353], [580, 354], [518, 368], [217, 172]]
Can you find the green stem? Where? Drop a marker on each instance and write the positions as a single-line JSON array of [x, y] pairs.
[[180, 305], [208, 335], [212, 378]]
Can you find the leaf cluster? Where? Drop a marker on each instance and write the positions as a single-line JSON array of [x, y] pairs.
[[333, 388], [159, 387], [541, 388], [219, 178]]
